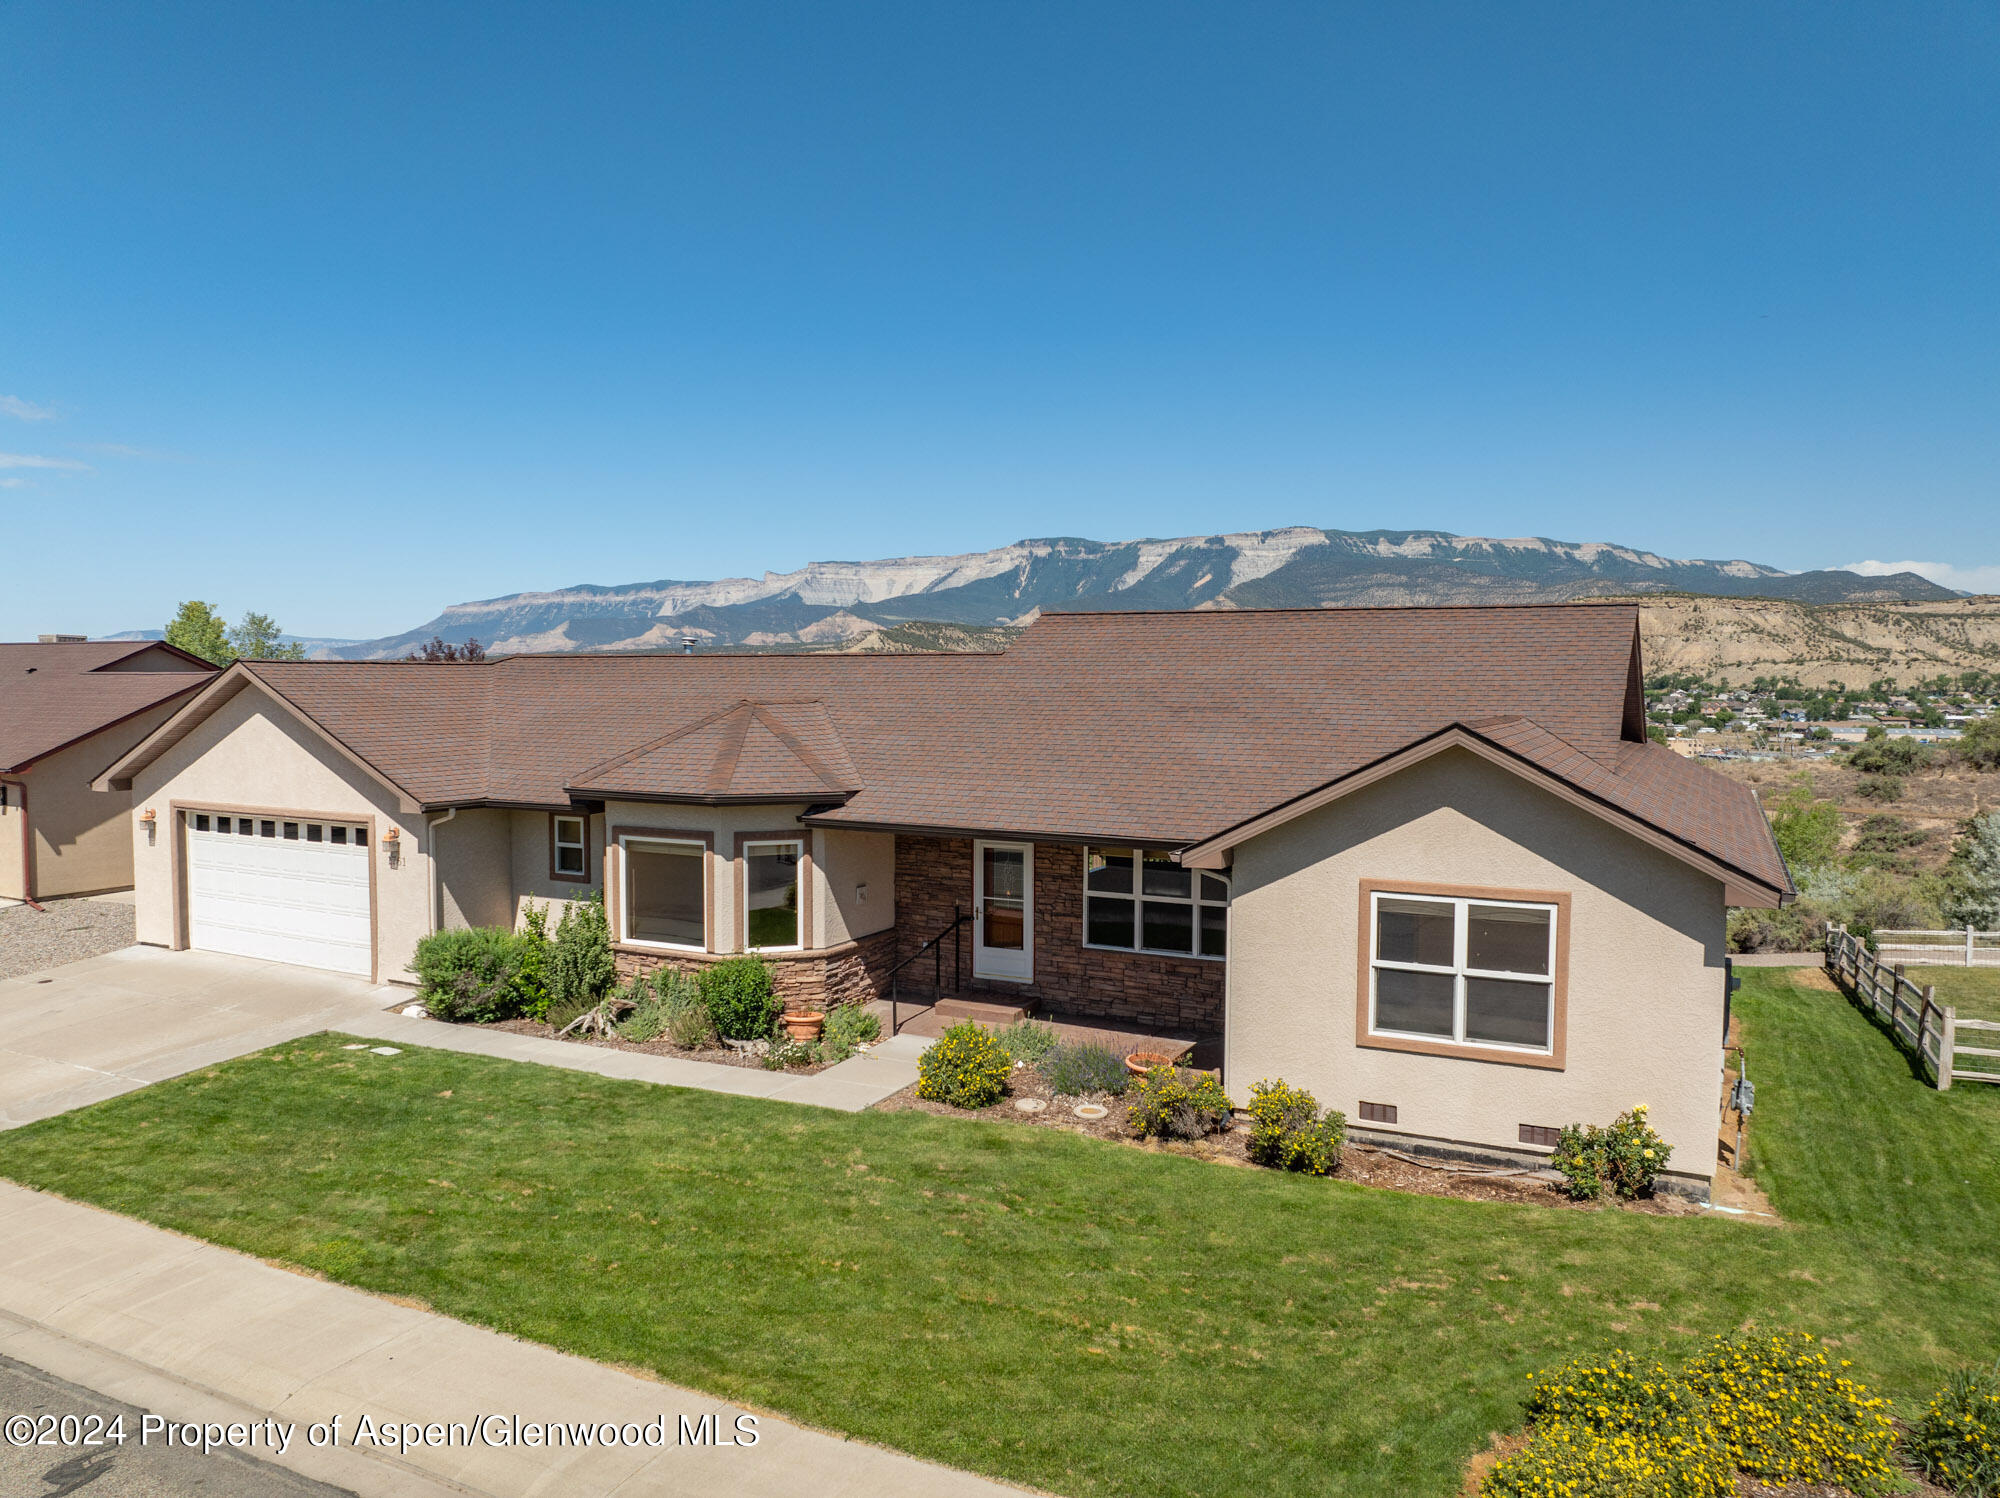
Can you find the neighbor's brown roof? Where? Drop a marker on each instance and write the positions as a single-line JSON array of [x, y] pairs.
[[52, 696], [1150, 727]]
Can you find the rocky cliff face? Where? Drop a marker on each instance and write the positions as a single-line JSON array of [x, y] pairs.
[[826, 603], [1820, 644]]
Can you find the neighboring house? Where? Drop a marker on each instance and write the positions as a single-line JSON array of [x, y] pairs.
[[68, 708], [1420, 861]]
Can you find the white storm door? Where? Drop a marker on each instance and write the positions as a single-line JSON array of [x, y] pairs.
[[1003, 911], [301, 898]]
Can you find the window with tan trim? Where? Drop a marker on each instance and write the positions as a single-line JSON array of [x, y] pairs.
[[569, 849], [665, 894], [771, 895], [1463, 971]]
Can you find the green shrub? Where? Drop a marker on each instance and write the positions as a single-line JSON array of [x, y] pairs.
[[684, 1015], [1027, 1041], [469, 975], [1079, 1070], [1168, 1103], [848, 1028], [1288, 1132], [785, 1051], [647, 1019], [531, 983], [1956, 1442], [1881, 755], [965, 1067], [580, 967], [741, 997], [1772, 1408], [1625, 1157]]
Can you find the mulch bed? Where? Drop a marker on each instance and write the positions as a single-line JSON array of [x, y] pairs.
[[659, 1046], [1359, 1163]]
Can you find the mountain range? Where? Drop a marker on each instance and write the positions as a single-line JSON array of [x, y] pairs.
[[956, 601]]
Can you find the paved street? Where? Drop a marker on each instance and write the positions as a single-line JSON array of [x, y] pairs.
[[127, 1469]]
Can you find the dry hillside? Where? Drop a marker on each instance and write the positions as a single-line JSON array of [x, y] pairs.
[[1820, 644]]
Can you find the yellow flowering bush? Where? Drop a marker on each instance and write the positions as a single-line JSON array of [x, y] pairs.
[[1625, 1156], [965, 1067], [1786, 1414], [1956, 1443], [1614, 1427]]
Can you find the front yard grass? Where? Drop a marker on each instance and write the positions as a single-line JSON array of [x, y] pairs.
[[1075, 1315]]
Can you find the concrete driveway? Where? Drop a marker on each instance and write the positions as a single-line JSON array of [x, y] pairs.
[[93, 1029]]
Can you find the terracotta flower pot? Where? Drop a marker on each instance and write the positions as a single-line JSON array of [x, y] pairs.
[[1141, 1062], [805, 1026]]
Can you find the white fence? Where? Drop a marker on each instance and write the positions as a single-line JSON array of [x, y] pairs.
[[1967, 947], [1912, 1014]]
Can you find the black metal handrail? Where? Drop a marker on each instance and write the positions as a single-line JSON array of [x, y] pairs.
[[934, 946]]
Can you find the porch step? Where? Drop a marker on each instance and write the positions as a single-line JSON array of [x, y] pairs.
[[986, 1014]]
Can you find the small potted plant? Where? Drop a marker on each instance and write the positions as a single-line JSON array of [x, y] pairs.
[[1141, 1062], [805, 1026]]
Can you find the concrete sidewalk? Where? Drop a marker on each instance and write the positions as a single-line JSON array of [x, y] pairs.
[[196, 1332]]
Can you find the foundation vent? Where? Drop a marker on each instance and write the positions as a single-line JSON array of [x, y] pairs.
[[1378, 1113]]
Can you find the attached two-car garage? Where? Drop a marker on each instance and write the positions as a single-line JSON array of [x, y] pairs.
[[281, 888]]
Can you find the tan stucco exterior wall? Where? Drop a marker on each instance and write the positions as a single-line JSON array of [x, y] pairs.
[[252, 754], [854, 876], [13, 847], [475, 852], [1645, 992], [532, 880], [82, 841]]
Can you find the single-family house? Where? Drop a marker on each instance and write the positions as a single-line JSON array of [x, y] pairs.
[[69, 707], [1423, 862]]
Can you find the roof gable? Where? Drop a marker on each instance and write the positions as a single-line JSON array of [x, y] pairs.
[[55, 695], [754, 751]]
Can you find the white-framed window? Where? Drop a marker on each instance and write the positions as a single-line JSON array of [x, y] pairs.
[[1140, 900], [571, 849], [771, 895], [1463, 970], [666, 892]]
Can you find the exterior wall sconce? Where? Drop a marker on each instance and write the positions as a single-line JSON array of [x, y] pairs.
[[151, 822], [392, 843]]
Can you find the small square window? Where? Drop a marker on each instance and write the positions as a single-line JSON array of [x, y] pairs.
[[314, 832], [339, 834], [292, 831], [270, 829], [361, 837], [201, 821]]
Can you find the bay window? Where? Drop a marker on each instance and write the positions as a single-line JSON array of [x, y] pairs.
[[1140, 900], [665, 892], [771, 894]]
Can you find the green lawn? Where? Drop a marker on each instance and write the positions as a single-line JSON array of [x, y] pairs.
[[1973, 991], [1065, 1313]]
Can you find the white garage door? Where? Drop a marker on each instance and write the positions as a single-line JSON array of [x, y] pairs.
[[284, 889]]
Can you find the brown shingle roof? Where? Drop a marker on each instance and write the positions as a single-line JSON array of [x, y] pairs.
[[53, 695], [1144, 727]]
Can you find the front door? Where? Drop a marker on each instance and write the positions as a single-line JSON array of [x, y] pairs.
[[1003, 911]]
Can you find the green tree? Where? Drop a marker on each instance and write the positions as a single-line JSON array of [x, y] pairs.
[[257, 639], [199, 630], [1979, 746], [1975, 874], [1808, 831]]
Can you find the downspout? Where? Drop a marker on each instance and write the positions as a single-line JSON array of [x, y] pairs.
[[437, 869]]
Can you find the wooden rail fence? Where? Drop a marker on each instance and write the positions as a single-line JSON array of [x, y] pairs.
[[1967, 946], [1929, 1029]]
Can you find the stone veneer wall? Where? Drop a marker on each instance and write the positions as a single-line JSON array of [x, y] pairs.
[[1176, 993], [847, 974]]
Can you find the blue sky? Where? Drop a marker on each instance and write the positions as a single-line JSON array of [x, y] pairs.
[[348, 312]]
